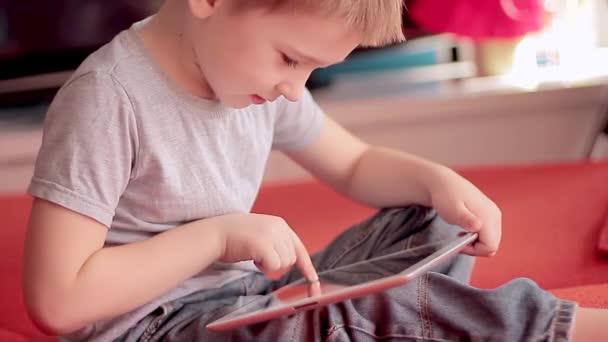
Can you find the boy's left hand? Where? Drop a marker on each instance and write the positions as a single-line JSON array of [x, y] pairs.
[[460, 203]]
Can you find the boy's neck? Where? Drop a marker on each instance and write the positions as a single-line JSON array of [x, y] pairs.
[[165, 39]]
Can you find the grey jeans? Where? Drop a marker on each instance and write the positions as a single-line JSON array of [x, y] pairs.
[[438, 306]]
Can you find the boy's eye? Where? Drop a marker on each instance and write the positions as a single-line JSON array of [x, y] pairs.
[[290, 62]]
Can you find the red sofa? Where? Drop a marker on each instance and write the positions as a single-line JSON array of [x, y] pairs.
[[553, 216]]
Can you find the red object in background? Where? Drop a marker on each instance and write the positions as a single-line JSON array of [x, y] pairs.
[[602, 245], [479, 19]]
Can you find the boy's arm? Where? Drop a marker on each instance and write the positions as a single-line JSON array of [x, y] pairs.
[[375, 176], [70, 280], [384, 178]]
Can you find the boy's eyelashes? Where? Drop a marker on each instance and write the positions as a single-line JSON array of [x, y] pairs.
[[289, 61]]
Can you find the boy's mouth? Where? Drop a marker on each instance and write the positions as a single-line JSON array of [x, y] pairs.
[[257, 99]]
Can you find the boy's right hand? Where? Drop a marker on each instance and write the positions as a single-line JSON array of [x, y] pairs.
[[267, 240]]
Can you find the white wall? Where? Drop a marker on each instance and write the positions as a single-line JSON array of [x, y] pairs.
[[463, 124], [602, 22], [508, 127]]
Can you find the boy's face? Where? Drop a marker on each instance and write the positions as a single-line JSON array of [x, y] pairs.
[[252, 56]]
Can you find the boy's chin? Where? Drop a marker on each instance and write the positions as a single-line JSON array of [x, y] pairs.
[[237, 102]]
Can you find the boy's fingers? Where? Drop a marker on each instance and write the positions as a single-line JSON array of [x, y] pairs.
[[478, 250], [468, 220], [314, 288], [285, 249], [269, 261], [303, 261], [484, 246], [489, 234]]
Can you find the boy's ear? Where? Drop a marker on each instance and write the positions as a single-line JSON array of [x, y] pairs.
[[203, 8]]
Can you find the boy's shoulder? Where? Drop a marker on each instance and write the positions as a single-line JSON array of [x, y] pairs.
[[114, 60]]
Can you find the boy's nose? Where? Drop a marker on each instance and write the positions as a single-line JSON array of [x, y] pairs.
[[291, 92]]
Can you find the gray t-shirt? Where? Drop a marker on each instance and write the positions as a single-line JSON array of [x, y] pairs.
[[125, 145]]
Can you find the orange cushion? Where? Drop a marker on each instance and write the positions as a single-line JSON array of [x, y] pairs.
[[552, 218], [591, 296]]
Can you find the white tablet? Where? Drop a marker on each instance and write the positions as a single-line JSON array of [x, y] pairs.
[[303, 295]]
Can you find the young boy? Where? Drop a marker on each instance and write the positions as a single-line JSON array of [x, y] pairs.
[[153, 154]]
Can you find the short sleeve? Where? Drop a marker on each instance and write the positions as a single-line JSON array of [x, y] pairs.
[[88, 147], [297, 124]]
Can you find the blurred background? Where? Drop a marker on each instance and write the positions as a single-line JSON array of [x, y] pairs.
[[477, 83]]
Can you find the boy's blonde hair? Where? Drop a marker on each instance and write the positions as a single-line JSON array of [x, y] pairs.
[[379, 21]]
